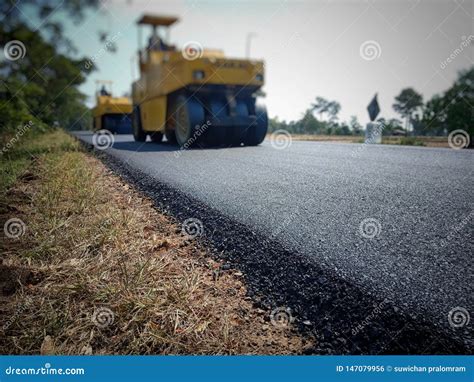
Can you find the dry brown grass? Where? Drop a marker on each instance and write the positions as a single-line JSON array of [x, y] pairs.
[[92, 242], [392, 140], [417, 141], [326, 138]]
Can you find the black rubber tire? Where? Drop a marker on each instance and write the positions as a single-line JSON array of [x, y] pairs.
[[257, 132], [156, 137], [170, 136], [138, 134], [188, 115], [170, 125], [237, 136], [217, 109], [105, 125]]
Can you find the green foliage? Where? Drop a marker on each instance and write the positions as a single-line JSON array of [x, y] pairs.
[[45, 10], [391, 126], [22, 151], [434, 115], [10, 171], [443, 113], [309, 124], [343, 129], [41, 86], [453, 109], [355, 126], [322, 106], [459, 101], [407, 102], [411, 141]]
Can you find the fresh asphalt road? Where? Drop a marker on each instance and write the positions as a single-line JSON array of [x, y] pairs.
[[313, 197]]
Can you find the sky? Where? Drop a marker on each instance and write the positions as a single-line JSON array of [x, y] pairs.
[[341, 50]]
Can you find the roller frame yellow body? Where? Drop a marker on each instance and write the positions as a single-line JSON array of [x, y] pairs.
[[166, 72], [108, 105], [214, 89]]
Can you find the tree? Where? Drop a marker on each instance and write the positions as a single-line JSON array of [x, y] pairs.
[[434, 115], [309, 124], [45, 10], [459, 101], [407, 103], [333, 110], [392, 125], [273, 124], [418, 126], [342, 129], [320, 106], [355, 126], [42, 85], [452, 110]]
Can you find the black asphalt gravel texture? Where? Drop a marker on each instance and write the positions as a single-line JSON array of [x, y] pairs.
[[290, 220]]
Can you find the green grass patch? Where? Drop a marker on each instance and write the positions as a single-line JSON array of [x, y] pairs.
[[90, 243], [9, 172], [403, 141], [411, 141], [21, 152]]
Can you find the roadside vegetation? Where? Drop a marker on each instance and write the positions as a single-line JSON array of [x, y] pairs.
[[38, 82], [95, 269], [91, 267], [443, 113], [21, 157], [427, 141], [42, 87], [87, 265]]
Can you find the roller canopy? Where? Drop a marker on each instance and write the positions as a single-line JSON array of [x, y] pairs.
[[157, 20]]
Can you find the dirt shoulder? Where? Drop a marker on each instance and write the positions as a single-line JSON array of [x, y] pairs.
[[389, 140], [88, 266]]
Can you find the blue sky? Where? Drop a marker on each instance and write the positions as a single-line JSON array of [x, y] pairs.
[[311, 48]]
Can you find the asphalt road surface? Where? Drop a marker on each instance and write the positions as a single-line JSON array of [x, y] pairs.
[[394, 223]]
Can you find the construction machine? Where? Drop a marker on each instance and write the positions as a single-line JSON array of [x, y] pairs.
[[111, 113], [195, 96]]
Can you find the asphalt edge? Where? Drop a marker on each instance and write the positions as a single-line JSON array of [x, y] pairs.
[[342, 318]]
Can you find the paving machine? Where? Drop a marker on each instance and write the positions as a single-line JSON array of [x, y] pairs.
[[111, 113], [195, 96]]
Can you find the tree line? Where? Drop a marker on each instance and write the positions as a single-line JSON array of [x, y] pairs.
[[42, 86], [443, 113], [39, 78]]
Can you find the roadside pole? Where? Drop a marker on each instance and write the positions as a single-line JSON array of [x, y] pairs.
[[373, 131]]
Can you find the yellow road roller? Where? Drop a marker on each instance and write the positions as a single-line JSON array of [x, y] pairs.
[[111, 113], [193, 95]]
